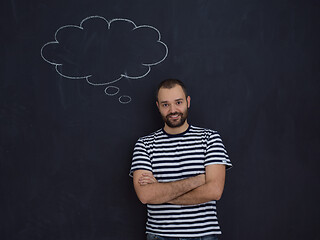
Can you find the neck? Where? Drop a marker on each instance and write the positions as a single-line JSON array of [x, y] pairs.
[[176, 130]]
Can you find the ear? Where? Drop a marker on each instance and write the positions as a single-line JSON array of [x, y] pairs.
[[188, 101], [157, 104]]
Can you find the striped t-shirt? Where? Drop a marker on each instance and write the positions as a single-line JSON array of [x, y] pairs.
[[172, 158]]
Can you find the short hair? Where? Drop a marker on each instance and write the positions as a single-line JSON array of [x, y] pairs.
[[170, 83]]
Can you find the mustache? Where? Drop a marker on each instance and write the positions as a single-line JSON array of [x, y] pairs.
[[175, 113]]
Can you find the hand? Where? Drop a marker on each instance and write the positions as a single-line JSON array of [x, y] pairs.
[[147, 178]]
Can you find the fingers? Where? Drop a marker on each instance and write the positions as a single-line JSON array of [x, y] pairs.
[[147, 178]]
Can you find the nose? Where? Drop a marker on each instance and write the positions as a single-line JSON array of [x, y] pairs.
[[172, 108]]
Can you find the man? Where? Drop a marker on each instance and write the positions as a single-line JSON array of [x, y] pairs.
[[179, 171]]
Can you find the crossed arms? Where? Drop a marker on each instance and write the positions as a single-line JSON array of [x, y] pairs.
[[194, 190]]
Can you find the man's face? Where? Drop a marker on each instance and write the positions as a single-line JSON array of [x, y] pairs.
[[173, 106]]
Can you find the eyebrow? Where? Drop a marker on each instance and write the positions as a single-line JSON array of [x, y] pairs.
[[179, 99]]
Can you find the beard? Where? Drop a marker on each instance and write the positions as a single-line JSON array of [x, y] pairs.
[[174, 123]]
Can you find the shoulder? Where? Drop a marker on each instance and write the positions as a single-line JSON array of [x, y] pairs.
[[151, 136], [203, 131]]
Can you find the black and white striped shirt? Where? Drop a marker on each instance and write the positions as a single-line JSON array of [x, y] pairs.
[[172, 158]]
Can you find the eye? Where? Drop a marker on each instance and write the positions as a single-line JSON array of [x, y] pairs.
[[165, 105], [179, 102]]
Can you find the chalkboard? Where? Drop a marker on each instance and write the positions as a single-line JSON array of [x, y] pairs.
[[77, 89]]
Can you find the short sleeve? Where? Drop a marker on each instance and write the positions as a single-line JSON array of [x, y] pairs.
[[215, 151], [140, 158]]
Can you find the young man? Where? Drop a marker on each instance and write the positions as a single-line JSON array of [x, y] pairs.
[[179, 171]]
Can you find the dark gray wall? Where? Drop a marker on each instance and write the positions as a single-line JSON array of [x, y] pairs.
[[252, 68]]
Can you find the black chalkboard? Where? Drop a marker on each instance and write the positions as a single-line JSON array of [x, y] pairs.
[[74, 98]]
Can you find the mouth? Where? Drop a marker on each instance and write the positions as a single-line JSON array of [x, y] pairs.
[[174, 116]]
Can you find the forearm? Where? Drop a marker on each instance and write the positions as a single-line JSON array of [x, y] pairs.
[[158, 193], [202, 194]]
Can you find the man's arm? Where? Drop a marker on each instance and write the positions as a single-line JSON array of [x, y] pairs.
[[150, 191], [211, 190]]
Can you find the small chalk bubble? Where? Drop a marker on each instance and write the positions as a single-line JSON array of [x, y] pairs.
[[111, 90], [124, 99]]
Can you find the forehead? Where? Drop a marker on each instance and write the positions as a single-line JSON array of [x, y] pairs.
[[171, 94]]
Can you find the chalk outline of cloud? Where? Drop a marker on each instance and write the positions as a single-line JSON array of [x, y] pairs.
[[57, 65]]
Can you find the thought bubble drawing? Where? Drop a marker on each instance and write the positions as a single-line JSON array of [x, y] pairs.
[[103, 52]]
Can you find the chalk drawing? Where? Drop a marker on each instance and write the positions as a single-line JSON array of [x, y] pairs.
[[109, 90], [103, 52]]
